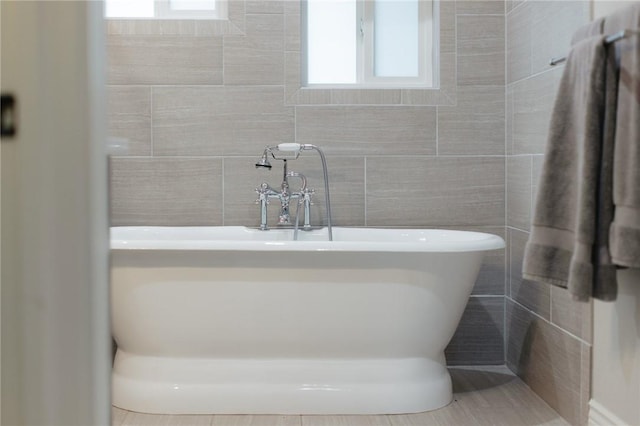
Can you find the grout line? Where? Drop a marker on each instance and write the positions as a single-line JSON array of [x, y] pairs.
[[539, 73], [504, 326], [223, 192], [522, 3], [295, 122], [568, 333], [507, 288], [518, 229], [531, 194], [437, 130], [525, 155], [180, 157], [507, 234], [365, 191], [480, 14], [151, 121], [480, 296]]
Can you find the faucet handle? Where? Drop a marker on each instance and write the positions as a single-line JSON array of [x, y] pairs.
[[307, 194], [263, 193]]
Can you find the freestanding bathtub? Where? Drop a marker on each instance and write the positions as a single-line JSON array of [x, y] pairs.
[[233, 320]]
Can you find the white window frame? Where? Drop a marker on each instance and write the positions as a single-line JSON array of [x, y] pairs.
[[162, 10], [365, 51]]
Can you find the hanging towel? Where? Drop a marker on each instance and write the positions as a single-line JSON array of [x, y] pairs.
[[566, 246], [594, 28], [625, 229]]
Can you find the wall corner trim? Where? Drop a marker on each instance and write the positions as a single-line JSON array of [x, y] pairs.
[[599, 415]]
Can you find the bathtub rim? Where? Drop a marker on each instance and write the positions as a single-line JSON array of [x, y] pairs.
[[482, 241]]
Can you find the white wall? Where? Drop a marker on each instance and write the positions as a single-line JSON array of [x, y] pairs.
[[615, 381], [55, 322], [616, 353]]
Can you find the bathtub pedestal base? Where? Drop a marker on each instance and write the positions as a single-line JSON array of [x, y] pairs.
[[279, 386]]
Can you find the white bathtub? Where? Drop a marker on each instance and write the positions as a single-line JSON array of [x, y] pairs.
[[232, 320]]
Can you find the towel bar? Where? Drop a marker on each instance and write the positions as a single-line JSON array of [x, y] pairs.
[[608, 40]]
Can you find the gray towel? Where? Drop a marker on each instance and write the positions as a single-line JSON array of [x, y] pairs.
[[625, 229], [569, 234], [591, 29]]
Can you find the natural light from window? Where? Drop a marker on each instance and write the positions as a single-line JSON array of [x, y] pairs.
[[366, 43], [332, 42], [165, 9]]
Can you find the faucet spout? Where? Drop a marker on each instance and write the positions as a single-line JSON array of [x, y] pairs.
[[285, 197], [285, 178]]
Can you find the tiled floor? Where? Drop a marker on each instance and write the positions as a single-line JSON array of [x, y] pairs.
[[482, 396]]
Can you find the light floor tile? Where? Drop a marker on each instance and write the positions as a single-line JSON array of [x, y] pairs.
[[252, 420], [117, 416], [452, 414], [485, 395], [140, 419], [345, 421]]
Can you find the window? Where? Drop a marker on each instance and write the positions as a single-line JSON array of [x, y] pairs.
[[368, 43], [166, 9]]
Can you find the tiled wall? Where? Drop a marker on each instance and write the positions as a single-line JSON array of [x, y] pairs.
[[548, 336], [198, 103]]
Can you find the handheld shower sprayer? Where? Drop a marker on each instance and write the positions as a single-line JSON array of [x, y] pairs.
[[294, 148]]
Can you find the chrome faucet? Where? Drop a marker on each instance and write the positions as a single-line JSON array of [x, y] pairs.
[[266, 192]]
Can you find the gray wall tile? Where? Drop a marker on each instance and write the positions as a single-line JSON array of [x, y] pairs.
[[547, 359], [129, 117], [444, 95], [265, 7], [566, 313], [519, 192], [480, 50], [219, 120], [366, 96], [364, 130], [257, 57], [447, 27], [479, 7], [467, 129], [435, 191], [531, 294], [533, 100], [292, 40], [536, 170], [479, 337], [164, 60], [150, 27], [346, 186], [509, 119], [237, 12], [513, 4], [166, 191], [519, 43], [553, 24], [182, 27]]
